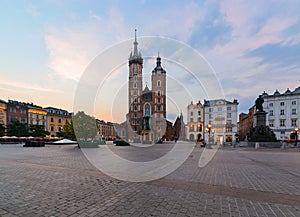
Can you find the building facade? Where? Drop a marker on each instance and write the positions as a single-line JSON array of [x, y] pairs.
[[146, 118], [195, 121], [56, 119], [106, 130], [37, 115], [2, 112], [16, 111], [245, 123], [283, 112], [222, 117]]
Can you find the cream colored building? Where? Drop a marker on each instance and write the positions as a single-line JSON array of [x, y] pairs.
[[2, 112], [195, 121], [222, 117], [56, 119]]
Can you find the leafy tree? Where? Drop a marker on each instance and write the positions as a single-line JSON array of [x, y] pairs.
[[38, 131], [15, 128], [68, 130], [60, 134], [2, 129], [85, 126]]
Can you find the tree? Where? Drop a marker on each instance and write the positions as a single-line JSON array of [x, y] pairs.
[[85, 126], [2, 129], [15, 128], [38, 131], [68, 130]]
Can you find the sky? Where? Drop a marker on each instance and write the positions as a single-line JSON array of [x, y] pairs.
[[46, 46]]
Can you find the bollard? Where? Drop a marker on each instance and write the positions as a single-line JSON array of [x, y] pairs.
[[257, 145]]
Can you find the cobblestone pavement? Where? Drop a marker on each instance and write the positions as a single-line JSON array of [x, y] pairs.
[[59, 181]]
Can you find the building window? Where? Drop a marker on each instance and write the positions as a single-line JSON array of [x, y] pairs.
[[158, 83], [51, 119], [229, 129], [271, 113], [210, 116], [228, 115], [219, 109], [294, 122], [199, 112], [192, 113], [158, 100], [158, 108], [281, 103], [228, 108], [271, 123], [134, 85], [59, 120], [52, 128], [281, 112], [270, 104], [191, 128], [158, 93], [282, 122], [191, 119], [294, 111], [293, 102], [210, 109], [199, 119], [228, 122], [59, 129]]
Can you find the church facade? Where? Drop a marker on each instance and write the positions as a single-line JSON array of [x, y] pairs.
[[146, 117]]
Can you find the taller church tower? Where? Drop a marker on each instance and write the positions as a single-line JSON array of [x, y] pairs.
[[135, 88]]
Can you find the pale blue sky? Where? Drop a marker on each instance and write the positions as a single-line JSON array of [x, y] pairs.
[[253, 46]]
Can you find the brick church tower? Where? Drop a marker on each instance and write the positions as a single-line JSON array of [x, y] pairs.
[[146, 118]]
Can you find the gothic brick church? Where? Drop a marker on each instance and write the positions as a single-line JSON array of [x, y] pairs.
[[146, 119]]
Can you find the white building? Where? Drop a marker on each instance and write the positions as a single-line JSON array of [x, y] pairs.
[[282, 112], [222, 116], [194, 121]]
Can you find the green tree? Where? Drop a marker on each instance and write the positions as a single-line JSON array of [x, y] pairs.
[[38, 131], [68, 130], [15, 128], [2, 129], [85, 126]]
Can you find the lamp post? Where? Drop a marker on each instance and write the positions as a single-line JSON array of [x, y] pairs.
[[296, 135], [208, 129]]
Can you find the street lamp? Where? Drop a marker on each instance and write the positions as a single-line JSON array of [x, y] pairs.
[[208, 129], [296, 135]]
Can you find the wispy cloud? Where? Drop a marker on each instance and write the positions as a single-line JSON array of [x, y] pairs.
[[18, 85]]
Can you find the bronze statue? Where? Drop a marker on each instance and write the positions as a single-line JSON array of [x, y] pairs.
[[259, 104]]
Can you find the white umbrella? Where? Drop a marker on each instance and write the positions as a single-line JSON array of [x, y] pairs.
[[65, 141]]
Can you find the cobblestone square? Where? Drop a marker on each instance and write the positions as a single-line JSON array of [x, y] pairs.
[[60, 181]]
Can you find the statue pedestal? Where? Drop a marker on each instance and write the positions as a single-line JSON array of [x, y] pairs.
[[260, 118]]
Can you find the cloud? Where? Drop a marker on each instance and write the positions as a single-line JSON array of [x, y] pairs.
[[18, 85], [279, 54], [260, 50], [71, 49]]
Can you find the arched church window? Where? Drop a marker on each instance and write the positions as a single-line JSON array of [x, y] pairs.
[[147, 109]]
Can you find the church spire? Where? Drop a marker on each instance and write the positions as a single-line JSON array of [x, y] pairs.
[[135, 50]]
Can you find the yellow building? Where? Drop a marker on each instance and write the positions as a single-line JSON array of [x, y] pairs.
[[37, 116], [2, 112], [106, 130], [56, 119]]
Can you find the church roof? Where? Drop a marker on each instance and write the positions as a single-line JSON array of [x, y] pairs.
[[158, 69], [136, 56], [146, 89], [147, 94]]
